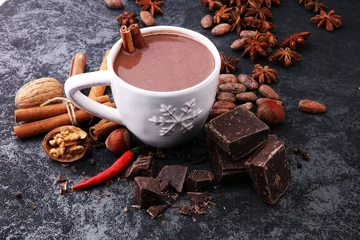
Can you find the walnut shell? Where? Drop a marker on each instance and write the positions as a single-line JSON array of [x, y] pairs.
[[66, 144], [38, 91]]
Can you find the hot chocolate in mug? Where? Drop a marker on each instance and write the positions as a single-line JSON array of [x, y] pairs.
[[158, 118]]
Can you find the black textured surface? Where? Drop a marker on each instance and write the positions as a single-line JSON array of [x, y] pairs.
[[38, 39]]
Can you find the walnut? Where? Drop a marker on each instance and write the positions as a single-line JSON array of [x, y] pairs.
[[66, 144]]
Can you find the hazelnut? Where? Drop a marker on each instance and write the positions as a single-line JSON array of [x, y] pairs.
[[271, 112], [118, 141]]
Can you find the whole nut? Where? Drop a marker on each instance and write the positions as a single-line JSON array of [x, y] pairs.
[[115, 4], [66, 143], [238, 44], [38, 91], [247, 34], [232, 87], [227, 78], [217, 112], [261, 100], [311, 106], [207, 21], [221, 29], [268, 92], [223, 105], [248, 106], [248, 81], [246, 97], [271, 112], [118, 141], [147, 18], [226, 96]]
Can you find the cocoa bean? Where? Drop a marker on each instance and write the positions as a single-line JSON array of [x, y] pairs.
[[147, 18], [261, 100], [247, 34], [115, 4], [217, 112], [268, 92], [223, 105], [232, 87], [248, 81], [246, 97], [221, 29], [238, 44], [227, 78], [207, 21], [248, 106], [311, 106], [226, 96]]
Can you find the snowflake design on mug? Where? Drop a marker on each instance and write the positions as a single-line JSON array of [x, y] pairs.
[[169, 119]]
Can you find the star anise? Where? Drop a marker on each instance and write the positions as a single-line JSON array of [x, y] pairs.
[[257, 11], [304, 2], [270, 39], [235, 20], [315, 6], [295, 38], [329, 21], [255, 47], [153, 6], [228, 65], [287, 56], [222, 15], [126, 19], [268, 2], [261, 26], [264, 74], [211, 4]]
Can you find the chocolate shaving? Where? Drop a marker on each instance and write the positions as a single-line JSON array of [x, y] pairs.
[[198, 197], [61, 179], [156, 211], [186, 210]]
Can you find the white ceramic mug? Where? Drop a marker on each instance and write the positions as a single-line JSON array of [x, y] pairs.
[[159, 119]]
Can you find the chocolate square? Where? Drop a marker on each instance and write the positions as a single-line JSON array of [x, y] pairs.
[[198, 179], [175, 174], [142, 166], [147, 192], [270, 171], [238, 132]]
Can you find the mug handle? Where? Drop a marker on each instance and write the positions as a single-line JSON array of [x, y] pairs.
[[74, 84]]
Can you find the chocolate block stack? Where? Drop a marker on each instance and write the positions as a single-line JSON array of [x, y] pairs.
[[239, 143]]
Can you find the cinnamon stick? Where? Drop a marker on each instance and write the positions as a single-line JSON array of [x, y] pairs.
[[137, 36], [127, 41], [102, 129], [78, 63], [97, 91], [43, 112], [43, 126]]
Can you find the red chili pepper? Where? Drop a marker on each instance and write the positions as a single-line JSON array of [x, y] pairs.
[[119, 165]]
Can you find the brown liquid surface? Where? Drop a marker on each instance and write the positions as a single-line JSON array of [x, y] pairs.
[[169, 63]]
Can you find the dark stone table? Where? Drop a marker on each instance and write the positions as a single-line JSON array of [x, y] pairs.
[[38, 39]]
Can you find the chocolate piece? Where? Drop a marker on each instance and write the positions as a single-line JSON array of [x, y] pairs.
[[227, 170], [186, 210], [175, 174], [142, 166], [164, 185], [238, 132], [270, 171], [155, 211], [147, 191], [199, 179], [198, 197]]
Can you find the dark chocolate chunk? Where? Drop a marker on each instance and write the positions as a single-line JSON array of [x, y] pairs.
[[155, 211], [270, 171], [164, 185], [142, 166], [186, 210], [198, 197], [175, 174], [147, 192], [238, 132], [199, 179]]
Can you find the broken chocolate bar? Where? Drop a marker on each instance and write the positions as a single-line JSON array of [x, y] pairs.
[[238, 132], [143, 166], [270, 171], [175, 174], [199, 179], [147, 192], [227, 170]]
